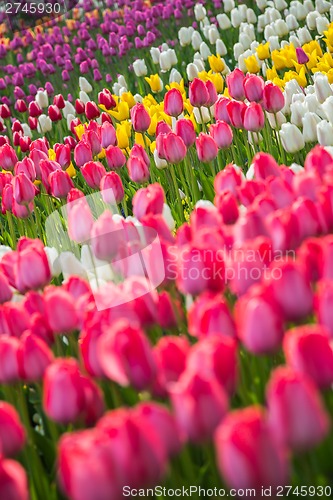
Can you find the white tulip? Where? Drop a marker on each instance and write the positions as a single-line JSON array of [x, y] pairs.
[[308, 4], [296, 168], [261, 23], [327, 107], [201, 115], [164, 47], [281, 27], [155, 55], [250, 173], [292, 138], [84, 85], [199, 12], [199, 64], [295, 41], [84, 97], [251, 16], [184, 36], [238, 50], [311, 20], [45, 124], [276, 121], [301, 12], [69, 119], [304, 35], [42, 98], [242, 9], [205, 51], [323, 6], [323, 89], [274, 43], [68, 109], [298, 111], [115, 88], [167, 216], [274, 15], [191, 71], [138, 98], [228, 5], [262, 4], [196, 40], [322, 24], [159, 162], [140, 68], [213, 35], [26, 130], [122, 91], [325, 133], [52, 257], [224, 21], [175, 76], [245, 40], [122, 81], [3, 250], [292, 22], [221, 49], [165, 61], [280, 4], [236, 18], [269, 31], [310, 122]]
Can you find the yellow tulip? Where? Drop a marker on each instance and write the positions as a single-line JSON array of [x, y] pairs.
[[129, 98], [155, 83], [71, 170], [203, 75], [216, 63], [123, 134], [217, 80], [80, 130], [52, 155], [252, 64], [121, 112], [175, 85], [263, 51], [271, 73], [140, 139]]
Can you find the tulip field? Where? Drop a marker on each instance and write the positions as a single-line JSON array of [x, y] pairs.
[[166, 249]]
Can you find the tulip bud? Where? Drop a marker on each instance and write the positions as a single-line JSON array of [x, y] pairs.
[[115, 157], [288, 394], [91, 110]]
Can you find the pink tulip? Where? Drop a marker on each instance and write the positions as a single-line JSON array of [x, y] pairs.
[[198, 93], [115, 157], [60, 311], [236, 110], [140, 118], [254, 118], [5, 291], [174, 148], [235, 83], [138, 170], [13, 481], [108, 135], [308, 351], [265, 166], [210, 315], [63, 395], [185, 130], [112, 188], [273, 99], [63, 155], [287, 281], [167, 310], [212, 93], [170, 355], [93, 172], [199, 403], [126, 356], [216, 356], [32, 269], [107, 237], [173, 103], [12, 432], [93, 138], [8, 359], [206, 148], [33, 356], [317, 160], [323, 307], [227, 205], [290, 394], [220, 110], [60, 183], [8, 158], [263, 337], [254, 88], [222, 134], [80, 221], [54, 113], [248, 455], [82, 153], [94, 406], [228, 179], [148, 200]]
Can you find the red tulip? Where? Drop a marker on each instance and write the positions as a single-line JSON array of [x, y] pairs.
[[34, 109], [173, 103], [63, 395], [59, 101], [4, 111], [79, 106], [290, 395], [248, 455], [91, 110], [54, 113], [21, 106], [126, 356], [199, 403], [105, 97], [308, 351]]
